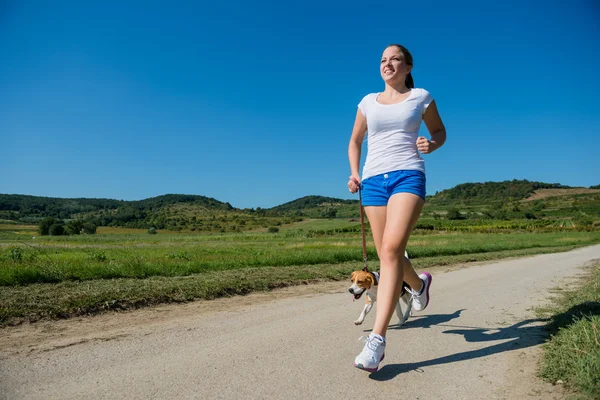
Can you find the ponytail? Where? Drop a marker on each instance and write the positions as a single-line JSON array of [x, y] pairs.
[[409, 82]]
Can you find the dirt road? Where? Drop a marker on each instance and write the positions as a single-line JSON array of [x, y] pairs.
[[477, 339]]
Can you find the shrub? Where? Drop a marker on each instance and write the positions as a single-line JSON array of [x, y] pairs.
[[89, 228], [539, 206], [501, 214], [454, 214], [152, 231], [273, 229], [56, 230], [45, 225], [330, 212], [74, 227], [428, 227], [582, 219]]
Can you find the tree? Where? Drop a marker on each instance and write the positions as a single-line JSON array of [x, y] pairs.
[[45, 225], [330, 212], [74, 227]]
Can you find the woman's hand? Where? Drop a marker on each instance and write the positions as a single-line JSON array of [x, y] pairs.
[[354, 184], [424, 145]]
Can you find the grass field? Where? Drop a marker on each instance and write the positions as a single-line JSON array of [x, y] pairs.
[[572, 355], [62, 276]]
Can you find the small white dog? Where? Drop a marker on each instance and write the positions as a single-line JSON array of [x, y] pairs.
[[366, 281]]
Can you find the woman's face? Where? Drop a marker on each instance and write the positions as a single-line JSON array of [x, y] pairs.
[[393, 67]]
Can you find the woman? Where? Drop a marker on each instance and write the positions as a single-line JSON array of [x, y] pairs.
[[393, 184]]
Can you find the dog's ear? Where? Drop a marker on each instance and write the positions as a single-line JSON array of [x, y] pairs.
[[354, 275], [369, 280]]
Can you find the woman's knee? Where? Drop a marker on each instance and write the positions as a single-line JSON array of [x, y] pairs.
[[391, 252]]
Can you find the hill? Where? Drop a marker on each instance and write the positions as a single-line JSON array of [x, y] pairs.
[[496, 200], [155, 211], [494, 191], [308, 202]]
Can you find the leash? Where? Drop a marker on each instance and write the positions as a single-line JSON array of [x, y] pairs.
[[362, 226]]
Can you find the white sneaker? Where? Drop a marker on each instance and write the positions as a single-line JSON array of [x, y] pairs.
[[372, 354], [421, 300]]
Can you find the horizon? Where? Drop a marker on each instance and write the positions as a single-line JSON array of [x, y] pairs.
[[285, 202], [254, 104]]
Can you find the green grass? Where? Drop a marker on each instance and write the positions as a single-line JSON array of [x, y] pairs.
[[93, 257], [74, 298], [59, 277], [573, 352], [322, 224]]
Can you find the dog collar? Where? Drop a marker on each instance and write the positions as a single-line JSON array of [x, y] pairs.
[[375, 277]]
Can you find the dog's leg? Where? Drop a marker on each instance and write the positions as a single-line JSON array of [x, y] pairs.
[[365, 311], [406, 299], [403, 315], [399, 313]]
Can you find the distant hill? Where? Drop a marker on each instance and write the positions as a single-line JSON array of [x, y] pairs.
[[546, 193], [201, 213], [104, 212], [494, 191], [308, 202], [64, 208]]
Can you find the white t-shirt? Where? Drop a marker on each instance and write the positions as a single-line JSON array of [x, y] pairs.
[[392, 131]]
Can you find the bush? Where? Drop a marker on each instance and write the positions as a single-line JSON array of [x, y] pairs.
[[582, 219], [45, 225], [539, 206], [501, 215], [529, 215], [74, 227], [152, 231], [428, 227], [454, 214], [330, 213], [273, 229], [56, 230], [89, 228]]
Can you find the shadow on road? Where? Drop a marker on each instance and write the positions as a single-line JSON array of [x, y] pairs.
[[523, 335], [426, 321]]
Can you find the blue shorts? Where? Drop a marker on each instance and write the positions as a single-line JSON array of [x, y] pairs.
[[377, 190]]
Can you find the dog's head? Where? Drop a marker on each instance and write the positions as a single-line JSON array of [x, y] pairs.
[[361, 281]]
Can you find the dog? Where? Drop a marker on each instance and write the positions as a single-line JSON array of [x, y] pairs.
[[366, 281]]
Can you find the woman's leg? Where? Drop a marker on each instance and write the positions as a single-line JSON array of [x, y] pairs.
[[377, 216], [403, 211]]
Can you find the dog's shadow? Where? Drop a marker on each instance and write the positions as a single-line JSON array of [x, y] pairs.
[[522, 336], [425, 321]]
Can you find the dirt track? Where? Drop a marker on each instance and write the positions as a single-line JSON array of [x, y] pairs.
[[477, 339]]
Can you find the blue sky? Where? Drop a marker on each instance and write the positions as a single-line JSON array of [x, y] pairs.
[[253, 103]]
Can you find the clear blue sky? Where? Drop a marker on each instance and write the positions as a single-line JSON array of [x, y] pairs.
[[253, 103]]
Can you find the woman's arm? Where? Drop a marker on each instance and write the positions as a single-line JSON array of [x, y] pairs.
[[436, 128], [354, 148]]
